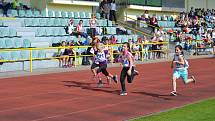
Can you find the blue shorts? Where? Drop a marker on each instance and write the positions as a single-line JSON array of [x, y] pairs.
[[181, 73]]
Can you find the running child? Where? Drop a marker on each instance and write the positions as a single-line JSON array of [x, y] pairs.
[[128, 70], [181, 66], [100, 65]]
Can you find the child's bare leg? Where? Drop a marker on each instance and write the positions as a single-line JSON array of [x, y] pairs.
[[174, 84], [192, 79]]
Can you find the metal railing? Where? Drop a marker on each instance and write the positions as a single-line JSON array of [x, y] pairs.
[[30, 58]]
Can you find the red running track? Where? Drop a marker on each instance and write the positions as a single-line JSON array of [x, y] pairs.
[[73, 96]]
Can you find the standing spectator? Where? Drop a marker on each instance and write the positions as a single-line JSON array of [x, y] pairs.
[[5, 6], [93, 25], [104, 8], [16, 4], [154, 22], [113, 11]]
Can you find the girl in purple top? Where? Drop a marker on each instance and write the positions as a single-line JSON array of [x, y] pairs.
[[100, 64]]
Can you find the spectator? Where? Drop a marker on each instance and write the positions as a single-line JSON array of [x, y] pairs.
[[81, 30], [16, 4], [93, 26], [71, 27], [154, 23], [104, 9], [5, 6], [113, 11]]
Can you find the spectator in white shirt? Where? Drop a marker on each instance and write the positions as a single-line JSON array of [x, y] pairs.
[[113, 11]]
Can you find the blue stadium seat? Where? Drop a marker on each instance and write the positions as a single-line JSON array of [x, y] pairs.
[[70, 15], [15, 55], [98, 16], [57, 22], [25, 55], [76, 15], [50, 22], [26, 43], [36, 14], [9, 43], [50, 13], [43, 13], [5, 56], [41, 32], [2, 43], [35, 54], [17, 43], [28, 22], [22, 13], [35, 22], [64, 14], [41, 54], [57, 14], [42, 22], [29, 13], [12, 32], [81, 15], [14, 13], [88, 15]]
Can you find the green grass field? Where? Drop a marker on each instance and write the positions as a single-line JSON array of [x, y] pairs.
[[201, 111]]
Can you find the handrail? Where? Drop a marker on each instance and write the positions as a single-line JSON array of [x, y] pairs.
[[134, 29], [31, 59], [142, 22]]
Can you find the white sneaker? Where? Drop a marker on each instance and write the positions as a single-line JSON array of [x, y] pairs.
[[123, 93]]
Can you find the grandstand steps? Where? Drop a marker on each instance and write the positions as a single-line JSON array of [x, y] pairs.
[[26, 34], [12, 23]]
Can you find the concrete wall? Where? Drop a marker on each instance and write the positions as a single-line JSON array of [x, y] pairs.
[[207, 4], [74, 8]]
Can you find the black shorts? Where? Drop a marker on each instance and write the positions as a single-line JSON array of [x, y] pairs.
[[102, 68], [94, 65]]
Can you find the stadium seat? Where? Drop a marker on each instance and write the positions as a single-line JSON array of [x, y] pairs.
[[26, 43], [9, 43], [15, 55], [42, 22], [64, 14], [76, 15], [5, 32], [57, 22], [17, 43], [2, 43], [70, 15], [41, 54], [41, 32], [50, 22], [57, 14], [50, 13], [35, 54], [14, 13], [88, 15], [22, 13], [25, 54], [29, 13], [28, 22], [12, 32], [5, 55], [98, 16], [36, 14], [35, 22], [43, 13], [81, 14], [110, 23]]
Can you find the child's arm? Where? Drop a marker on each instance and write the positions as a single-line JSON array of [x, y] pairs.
[[181, 60]]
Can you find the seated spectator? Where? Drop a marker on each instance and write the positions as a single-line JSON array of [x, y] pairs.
[[112, 39], [71, 27], [81, 30]]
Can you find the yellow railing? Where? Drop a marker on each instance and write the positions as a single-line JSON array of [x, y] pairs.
[[31, 58]]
